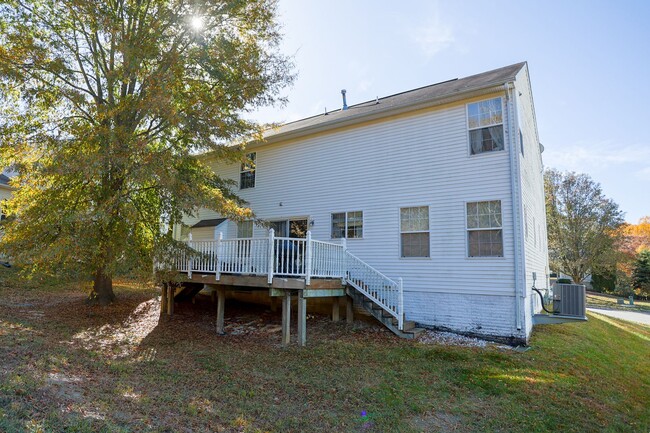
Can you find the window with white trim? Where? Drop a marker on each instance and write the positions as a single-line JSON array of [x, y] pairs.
[[485, 124], [347, 225], [414, 231], [484, 232], [247, 172], [245, 229]]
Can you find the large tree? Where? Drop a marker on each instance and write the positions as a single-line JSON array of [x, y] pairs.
[[104, 106], [582, 225], [641, 273]]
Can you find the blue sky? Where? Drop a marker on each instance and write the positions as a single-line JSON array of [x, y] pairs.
[[589, 63]]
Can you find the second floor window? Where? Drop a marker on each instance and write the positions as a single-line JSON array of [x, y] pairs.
[[247, 172], [485, 123]]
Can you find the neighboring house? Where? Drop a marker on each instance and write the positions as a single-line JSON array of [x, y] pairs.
[[440, 186], [5, 191]]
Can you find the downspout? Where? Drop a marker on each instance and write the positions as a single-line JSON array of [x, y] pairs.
[[515, 187]]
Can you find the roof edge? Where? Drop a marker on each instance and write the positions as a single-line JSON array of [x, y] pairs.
[[363, 117]]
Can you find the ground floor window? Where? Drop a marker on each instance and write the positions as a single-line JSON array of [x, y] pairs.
[[484, 232], [245, 229], [414, 231], [347, 225]]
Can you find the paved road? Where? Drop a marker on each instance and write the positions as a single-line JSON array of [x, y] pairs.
[[631, 316]]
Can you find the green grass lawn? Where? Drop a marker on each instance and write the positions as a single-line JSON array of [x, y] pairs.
[[601, 300], [65, 366]]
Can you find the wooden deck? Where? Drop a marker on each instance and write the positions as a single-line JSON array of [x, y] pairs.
[[284, 288], [286, 267], [262, 281]]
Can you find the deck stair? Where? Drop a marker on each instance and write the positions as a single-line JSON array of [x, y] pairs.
[[410, 330], [379, 295]]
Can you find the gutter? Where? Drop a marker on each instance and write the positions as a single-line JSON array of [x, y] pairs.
[[515, 187]]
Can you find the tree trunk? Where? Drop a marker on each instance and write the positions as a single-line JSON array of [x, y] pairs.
[[102, 292]]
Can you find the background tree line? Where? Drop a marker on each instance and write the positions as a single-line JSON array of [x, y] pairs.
[[588, 237]]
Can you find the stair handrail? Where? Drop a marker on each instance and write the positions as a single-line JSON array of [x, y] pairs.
[[395, 308]]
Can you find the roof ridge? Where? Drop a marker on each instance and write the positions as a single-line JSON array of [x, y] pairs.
[[519, 65]]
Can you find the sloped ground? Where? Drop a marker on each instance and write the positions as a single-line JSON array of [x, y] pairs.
[[66, 366]]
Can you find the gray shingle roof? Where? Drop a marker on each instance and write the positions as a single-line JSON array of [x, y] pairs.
[[208, 223], [413, 97]]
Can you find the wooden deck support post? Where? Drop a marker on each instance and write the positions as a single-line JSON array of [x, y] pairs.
[[302, 319], [286, 318], [274, 304], [349, 310], [163, 299], [221, 309], [170, 299], [336, 308]]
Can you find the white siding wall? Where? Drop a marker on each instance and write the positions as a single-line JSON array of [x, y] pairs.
[[417, 160], [5, 193], [532, 186], [473, 314]]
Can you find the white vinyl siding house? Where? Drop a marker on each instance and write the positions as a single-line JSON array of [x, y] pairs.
[[6, 191], [436, 201]]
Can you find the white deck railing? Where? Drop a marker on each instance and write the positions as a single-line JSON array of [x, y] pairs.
[[292, 257]]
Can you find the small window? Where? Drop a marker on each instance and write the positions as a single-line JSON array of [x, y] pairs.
[[347, 225], [247, 172], [484, 233], [245, 229], [521, 142], [485, 123], [414, 231]]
